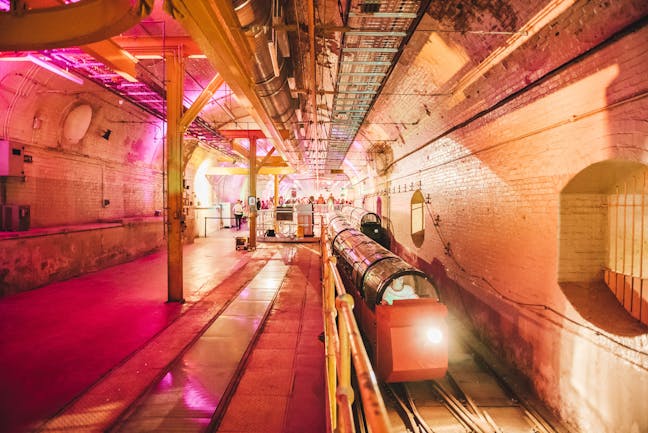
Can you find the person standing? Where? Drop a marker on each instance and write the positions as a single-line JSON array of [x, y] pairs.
[[238, 214]]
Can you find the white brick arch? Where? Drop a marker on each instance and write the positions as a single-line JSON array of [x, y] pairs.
[[603, 235]]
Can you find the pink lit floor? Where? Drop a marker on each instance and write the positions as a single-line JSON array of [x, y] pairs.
[[76, 355]]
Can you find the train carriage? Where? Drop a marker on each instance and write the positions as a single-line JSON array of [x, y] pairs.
[[397, 306], [369, 223]]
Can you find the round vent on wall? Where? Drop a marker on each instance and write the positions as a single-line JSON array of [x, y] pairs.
[[76, 123]]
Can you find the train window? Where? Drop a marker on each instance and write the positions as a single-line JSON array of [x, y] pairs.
[[370, 218], [410, 286], [399, 289], [418, 218]]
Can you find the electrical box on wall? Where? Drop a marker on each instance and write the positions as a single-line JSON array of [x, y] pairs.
[[15, 218], [11, 159]]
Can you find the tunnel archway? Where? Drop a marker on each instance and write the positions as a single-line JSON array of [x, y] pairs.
[[603, 245]]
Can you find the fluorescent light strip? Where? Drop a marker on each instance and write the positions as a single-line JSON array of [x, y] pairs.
[[45, 65]]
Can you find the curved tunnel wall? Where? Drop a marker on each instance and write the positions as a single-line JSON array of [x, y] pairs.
[[92, 195], [75, 176], [495, 184]]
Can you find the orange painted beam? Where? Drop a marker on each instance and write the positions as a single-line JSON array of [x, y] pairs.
[[242, 133], [110, 54], [214, 25], [201, 101], [174, 174], [156, 46]]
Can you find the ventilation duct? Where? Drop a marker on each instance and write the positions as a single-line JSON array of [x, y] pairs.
[[255, 17]]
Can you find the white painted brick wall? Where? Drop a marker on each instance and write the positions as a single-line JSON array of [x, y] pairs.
[[67, 183], [583, 236]]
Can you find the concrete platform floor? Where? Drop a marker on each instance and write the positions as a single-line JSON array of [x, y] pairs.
[[77, 355]]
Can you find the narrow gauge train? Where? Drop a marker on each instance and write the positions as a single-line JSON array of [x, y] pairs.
[[408, 337], [368, 223]]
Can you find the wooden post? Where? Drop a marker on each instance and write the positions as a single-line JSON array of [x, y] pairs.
[[253, 209], [174, 190]]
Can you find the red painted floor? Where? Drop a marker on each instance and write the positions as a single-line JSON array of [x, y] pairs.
[[86, 348], [282, 389]]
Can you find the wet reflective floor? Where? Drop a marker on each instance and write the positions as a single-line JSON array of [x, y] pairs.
[[191, 391], [104, 352]]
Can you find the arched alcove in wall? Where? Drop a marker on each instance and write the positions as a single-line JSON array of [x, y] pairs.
[[417, 204], [603, 242]]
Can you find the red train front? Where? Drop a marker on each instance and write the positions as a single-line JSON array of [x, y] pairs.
[[396, 306]]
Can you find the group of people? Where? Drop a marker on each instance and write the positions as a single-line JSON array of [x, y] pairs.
[[240, 208], [330, 200]]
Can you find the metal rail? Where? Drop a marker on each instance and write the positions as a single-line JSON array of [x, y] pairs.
[[344, 345], [536, 420], [417, 423], [410, 401], [463, 415]]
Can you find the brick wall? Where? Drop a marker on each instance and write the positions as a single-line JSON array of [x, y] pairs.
[[500, 176], [495, 181], [67, 181], [33, 259], [583, 238]]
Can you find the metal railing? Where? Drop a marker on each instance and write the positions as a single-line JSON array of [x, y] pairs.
[[231, 222], [627, 274], [287, 221], [343, 345], [290, 224]]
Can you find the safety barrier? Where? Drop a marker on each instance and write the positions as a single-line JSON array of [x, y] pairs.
[[287, 223], [630, 291], [293, 221], [343, 343]]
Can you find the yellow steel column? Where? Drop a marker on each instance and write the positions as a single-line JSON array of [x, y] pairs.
[[174, 76], [253, 209]]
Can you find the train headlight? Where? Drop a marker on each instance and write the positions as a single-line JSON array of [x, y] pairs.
[[434, 335]]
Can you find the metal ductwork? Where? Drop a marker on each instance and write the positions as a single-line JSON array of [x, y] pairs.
[[255, 17]]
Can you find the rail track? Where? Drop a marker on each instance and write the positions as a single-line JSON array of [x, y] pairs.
[[471, 398]]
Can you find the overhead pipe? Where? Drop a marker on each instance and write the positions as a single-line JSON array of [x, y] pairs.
[[68, 25], [255, 18], [216, 29]]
